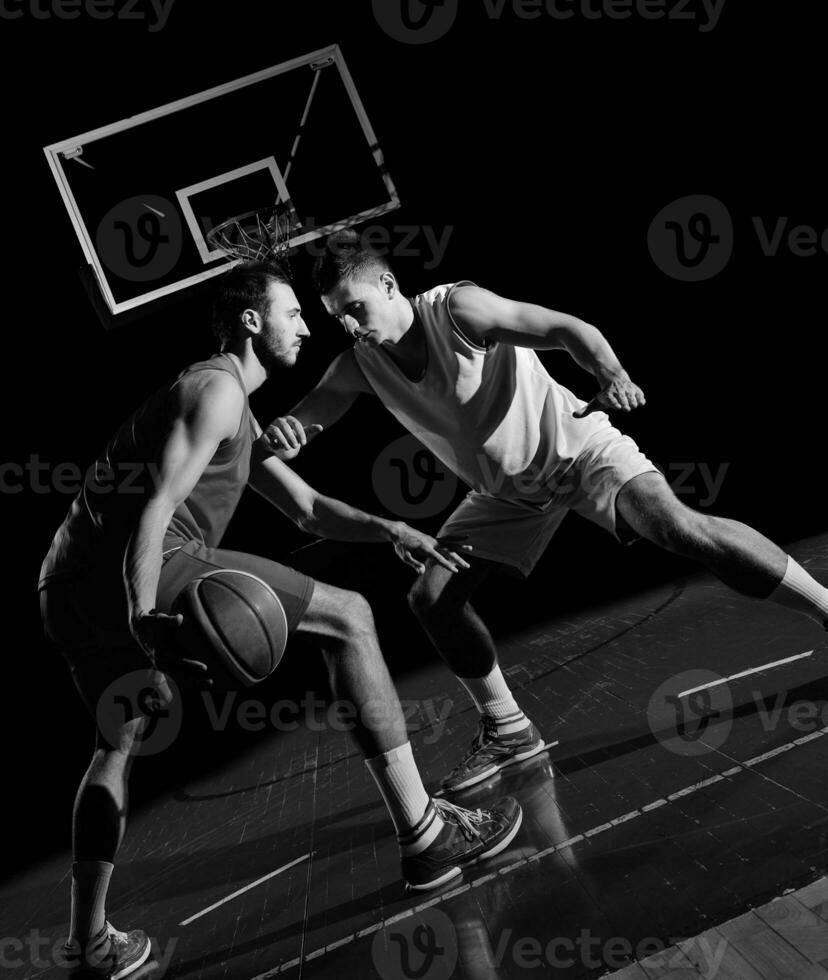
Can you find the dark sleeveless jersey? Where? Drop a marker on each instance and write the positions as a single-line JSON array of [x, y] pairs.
[[94, 536]]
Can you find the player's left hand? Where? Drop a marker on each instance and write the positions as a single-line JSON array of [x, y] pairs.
[[619, 395], [415, 548]]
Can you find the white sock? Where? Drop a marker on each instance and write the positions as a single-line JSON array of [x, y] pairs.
[[416, 820], [800, 591], [90, 881], [492, 697]]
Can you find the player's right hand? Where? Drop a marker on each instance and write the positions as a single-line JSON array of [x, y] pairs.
[[158, 636], [285, 437]]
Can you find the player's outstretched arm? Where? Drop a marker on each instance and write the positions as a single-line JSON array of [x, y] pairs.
[[327, 517], [320, 408], [208, 411], [488, 318]]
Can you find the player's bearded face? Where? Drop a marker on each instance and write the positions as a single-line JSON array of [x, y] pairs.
[[282, 329]]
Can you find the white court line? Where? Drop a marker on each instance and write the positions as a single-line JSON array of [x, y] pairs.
[[246, 888], [587, 835], [744, 673]]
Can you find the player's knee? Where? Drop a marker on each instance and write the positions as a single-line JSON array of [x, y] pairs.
[[355, 618], [421, 598], [116, 746], [427, 598]]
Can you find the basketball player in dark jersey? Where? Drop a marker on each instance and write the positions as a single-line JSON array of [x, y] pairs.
[[456, 365], [123, 554]]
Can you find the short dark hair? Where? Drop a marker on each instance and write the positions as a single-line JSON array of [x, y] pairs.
[[346, 256], [244, 287]]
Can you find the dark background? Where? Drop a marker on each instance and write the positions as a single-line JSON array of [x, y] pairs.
[[549, 146]]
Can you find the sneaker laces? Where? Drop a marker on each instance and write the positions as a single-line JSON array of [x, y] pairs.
[[468, 820], [486, 729], [115, 935]]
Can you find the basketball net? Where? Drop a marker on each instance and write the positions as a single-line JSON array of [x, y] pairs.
[[258, 236], [262, 236]]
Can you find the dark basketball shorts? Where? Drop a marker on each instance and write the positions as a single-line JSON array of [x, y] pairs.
[[86, 618]]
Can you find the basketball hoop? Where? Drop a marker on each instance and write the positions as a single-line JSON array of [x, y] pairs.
[[258, 236]]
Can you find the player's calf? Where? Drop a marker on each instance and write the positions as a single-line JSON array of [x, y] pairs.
[[437, 839]]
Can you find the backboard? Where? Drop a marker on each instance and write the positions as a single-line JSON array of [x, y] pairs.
[[144, 193]]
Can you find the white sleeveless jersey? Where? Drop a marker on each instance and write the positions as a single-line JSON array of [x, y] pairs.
[[494, 415]]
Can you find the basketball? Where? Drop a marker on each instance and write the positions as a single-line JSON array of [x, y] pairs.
[[235, 623]]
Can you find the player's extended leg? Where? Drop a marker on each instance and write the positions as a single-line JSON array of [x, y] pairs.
[[441, 601], [436, 839], [740, 556]]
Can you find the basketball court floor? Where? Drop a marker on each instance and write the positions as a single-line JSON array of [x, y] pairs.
[[669, 801]]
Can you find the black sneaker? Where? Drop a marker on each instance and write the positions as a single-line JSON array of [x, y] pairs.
[[490, 752], [468, 836], [110, 954]]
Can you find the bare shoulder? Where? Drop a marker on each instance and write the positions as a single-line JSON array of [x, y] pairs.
[[211, 398], [478, 311], [474, 301]]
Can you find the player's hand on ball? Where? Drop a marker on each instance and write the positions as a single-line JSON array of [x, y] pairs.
[[286, 436], [158, 636], [415, 548], [618, 395]]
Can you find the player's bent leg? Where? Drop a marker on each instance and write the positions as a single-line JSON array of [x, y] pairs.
[[436, 840], [740, 556], [505, 736], [439, 599], [343, 623]]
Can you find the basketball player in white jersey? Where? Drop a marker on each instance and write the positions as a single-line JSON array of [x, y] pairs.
[[457, 367]]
